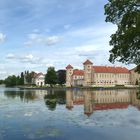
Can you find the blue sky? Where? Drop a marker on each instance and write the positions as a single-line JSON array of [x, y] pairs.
[[36, 34]]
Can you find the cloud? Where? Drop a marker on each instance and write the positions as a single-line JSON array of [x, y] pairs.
[[39, 39], [36, 30], [2, 37], [3, 72], [52, 40], [10, 56], [25, 59], [67, 26], [30, 59]]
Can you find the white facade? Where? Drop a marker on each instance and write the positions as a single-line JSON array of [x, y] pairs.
[[39, 79]]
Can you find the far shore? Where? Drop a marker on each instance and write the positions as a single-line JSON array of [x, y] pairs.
[[78, 87], [74, 87]]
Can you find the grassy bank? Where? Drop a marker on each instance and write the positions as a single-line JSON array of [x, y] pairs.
[[76, 87]]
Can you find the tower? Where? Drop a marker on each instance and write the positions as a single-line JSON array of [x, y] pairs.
[[69, 72], [88, 68]]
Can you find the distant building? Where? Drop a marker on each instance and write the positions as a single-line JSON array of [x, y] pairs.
[[100, 75], [38, 79], [33, 78]]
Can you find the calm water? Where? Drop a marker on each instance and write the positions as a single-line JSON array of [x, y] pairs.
[[69, 115]]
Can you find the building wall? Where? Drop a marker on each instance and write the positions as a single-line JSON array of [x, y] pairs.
[[39, 81], [77, 80], [91, 77], [111, 79], [88, 75], [69, 81], [134, 77]]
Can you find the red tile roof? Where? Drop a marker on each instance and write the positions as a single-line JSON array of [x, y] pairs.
[[69, 67], [78, 72], [104, 106], [87, 62], [78, 102], [109, 69], [38, 74], [111, 106]]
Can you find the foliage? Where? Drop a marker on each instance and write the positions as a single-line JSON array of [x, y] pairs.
[[16, 80], [1, 82], [126, 41], [137, 82], [29, 76], [11, 81], [21, 81], [55, 97], [51, 77], [61, 77], [25, 96]]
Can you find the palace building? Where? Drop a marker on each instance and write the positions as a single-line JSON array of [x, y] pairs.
[[100, 76]]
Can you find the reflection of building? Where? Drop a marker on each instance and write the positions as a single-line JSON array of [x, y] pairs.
[[112, 96], [88, 103], [99, 75], [101, 99], [69, 99], [135, 101]]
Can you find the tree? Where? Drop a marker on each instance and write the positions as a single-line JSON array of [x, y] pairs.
[[51, 77], [137, 82], [61, 77], [126, 41], [11, 81], [1, 82], [21, 79], [29, 76]]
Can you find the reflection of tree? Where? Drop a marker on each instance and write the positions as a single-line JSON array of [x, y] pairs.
[[53, 98], [138, 93], [24, 96], [50, 101]]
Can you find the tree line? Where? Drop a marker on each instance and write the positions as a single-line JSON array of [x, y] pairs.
[[52, 78]]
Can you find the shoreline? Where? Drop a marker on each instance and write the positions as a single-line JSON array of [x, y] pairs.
[[73, 88]]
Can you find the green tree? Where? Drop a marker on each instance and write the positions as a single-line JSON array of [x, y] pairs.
[[29, 76], [1, 82], [126, 41], [11, 81], [137, 82], [21, 79], [61, 77], [51, 77]]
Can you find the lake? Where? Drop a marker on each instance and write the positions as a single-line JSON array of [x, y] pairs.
[[69, 114]]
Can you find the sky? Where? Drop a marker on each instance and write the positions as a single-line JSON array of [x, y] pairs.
[[36, 34]]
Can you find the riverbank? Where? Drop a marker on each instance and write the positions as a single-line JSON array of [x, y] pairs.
[[77, 87]]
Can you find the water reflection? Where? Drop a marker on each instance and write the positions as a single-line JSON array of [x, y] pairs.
[[102, 99], [90, 100], [25, 95], [54, 97]]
